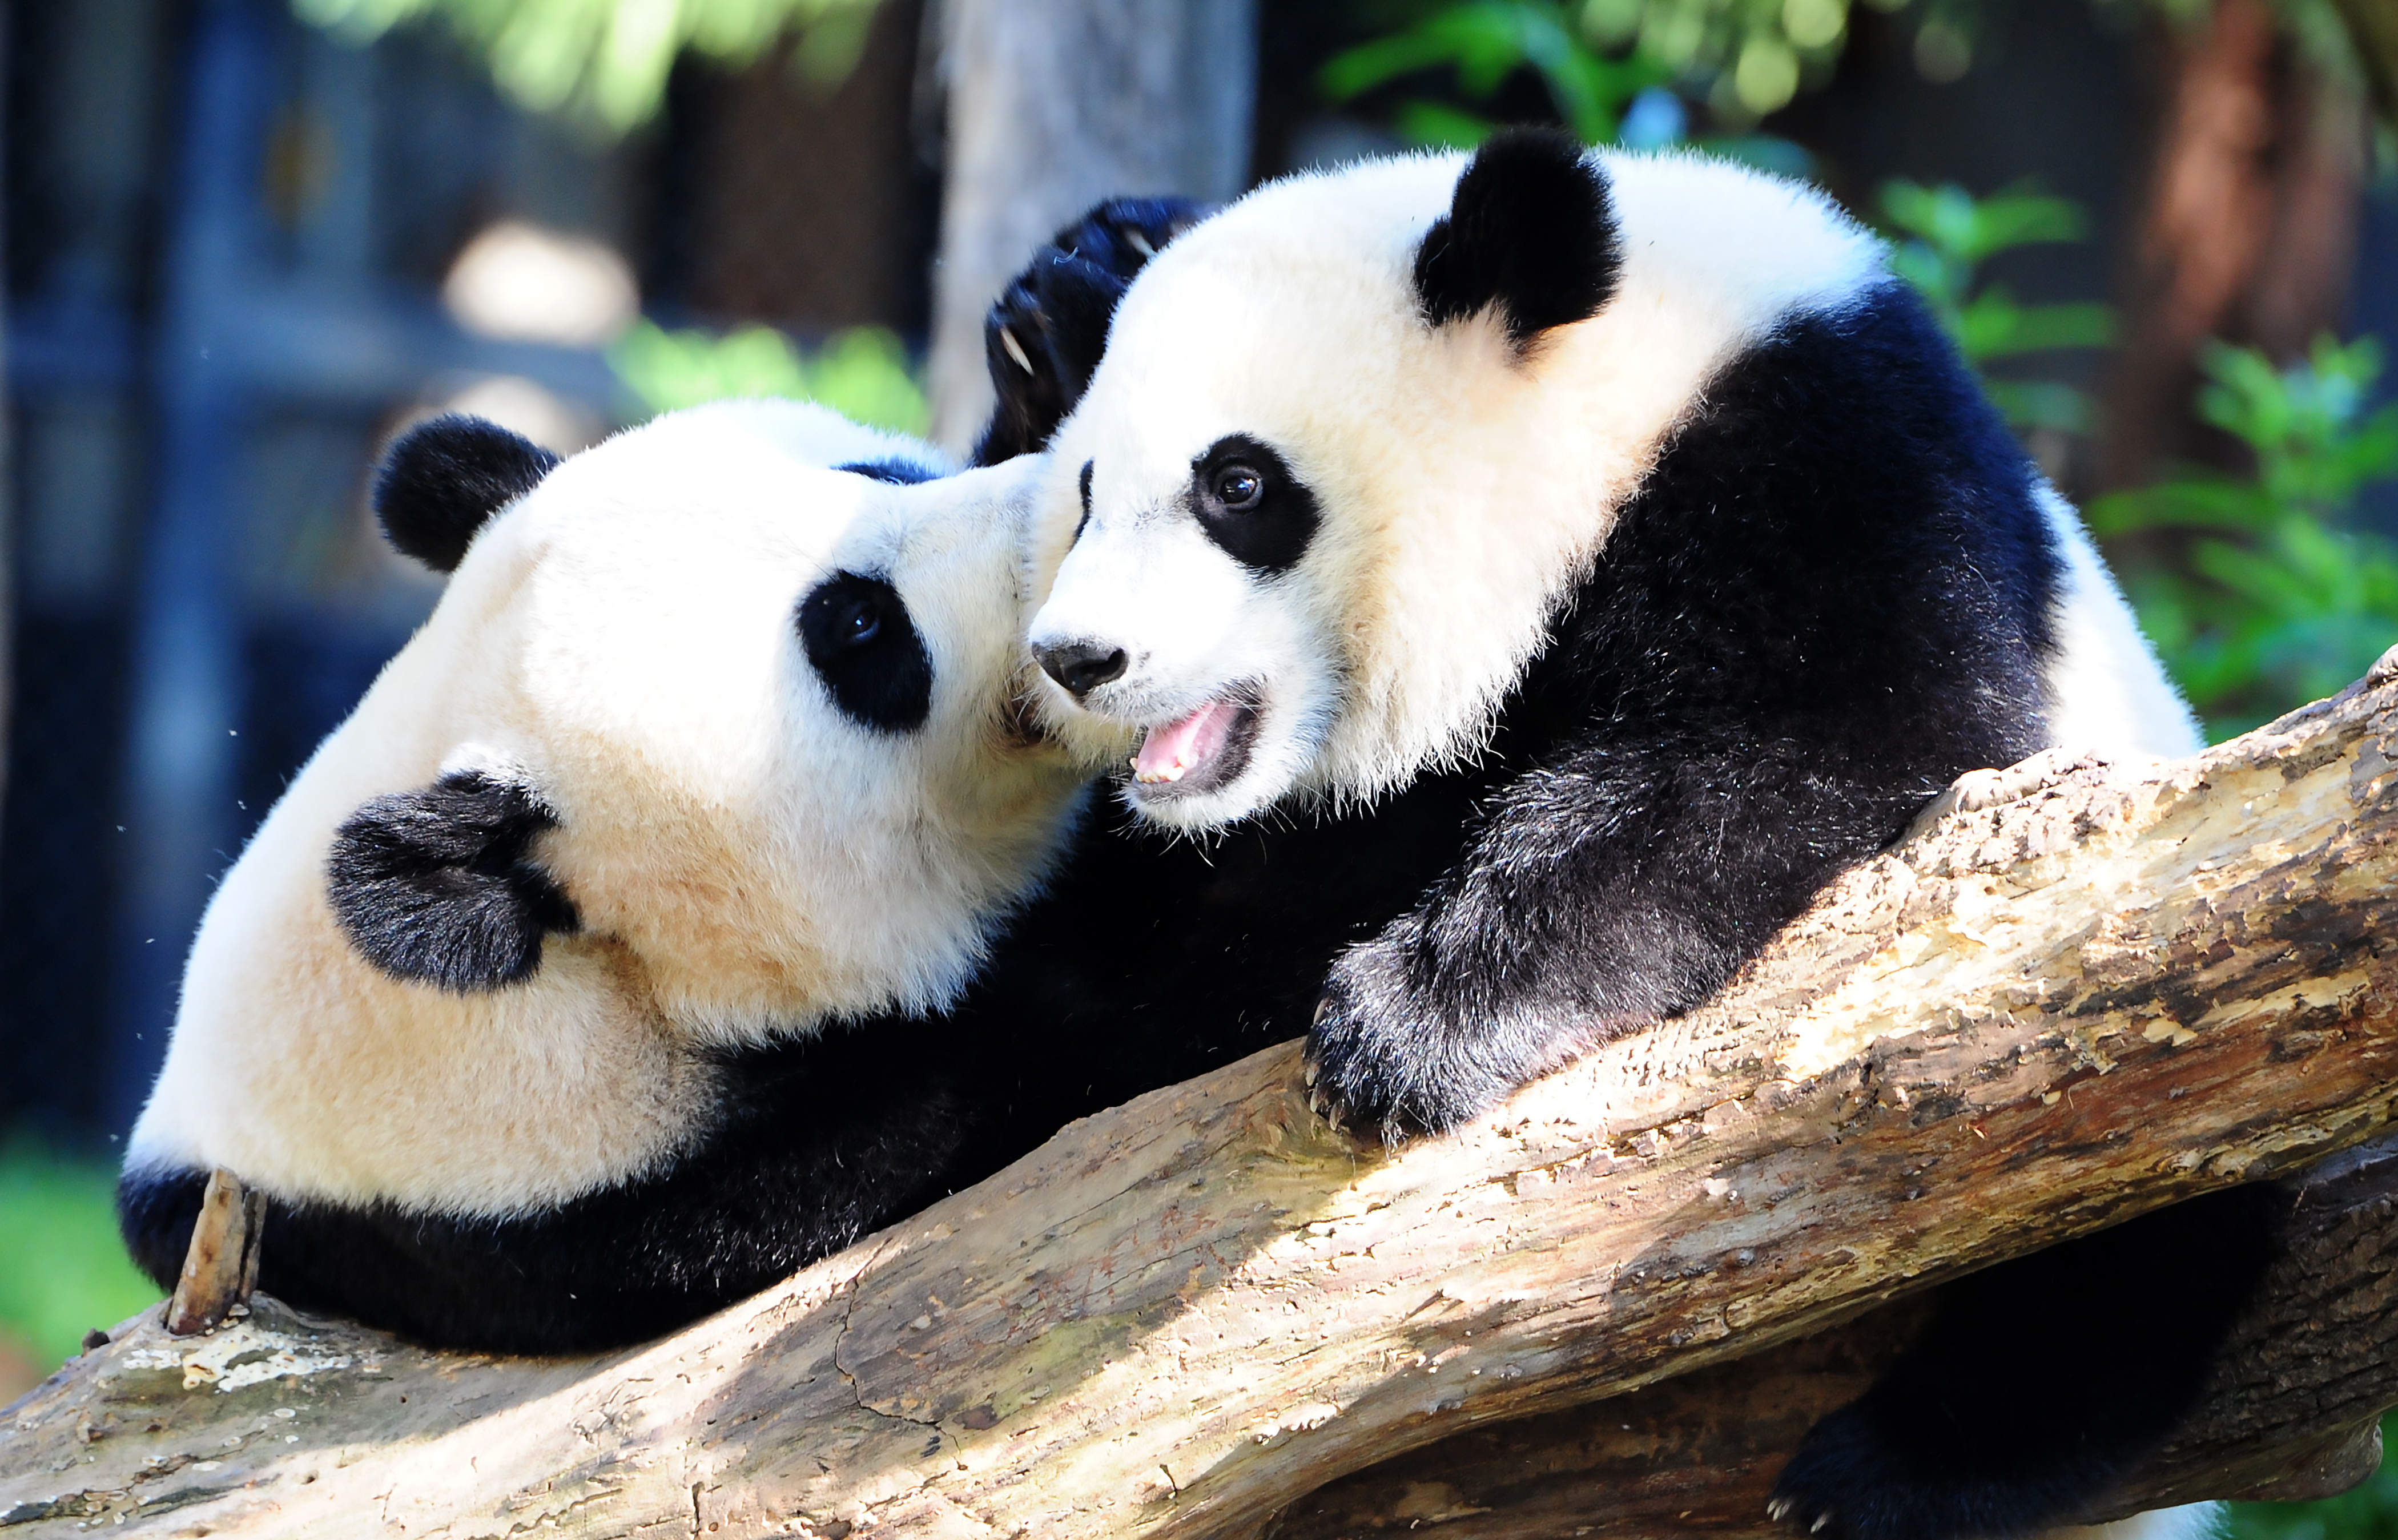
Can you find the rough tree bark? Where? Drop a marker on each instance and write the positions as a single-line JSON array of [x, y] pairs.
[[1053, 105], [1182, 1316], [2292, 1415]]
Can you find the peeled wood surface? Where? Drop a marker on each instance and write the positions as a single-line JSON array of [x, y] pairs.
[[1180, 1316], [2292, 1414], [220, 1264]]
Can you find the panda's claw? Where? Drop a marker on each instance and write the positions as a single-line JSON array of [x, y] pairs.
[[1821, 1520], [1309, 1069], [1778, 1509]]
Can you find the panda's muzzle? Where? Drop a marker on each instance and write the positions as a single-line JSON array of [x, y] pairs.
[[1200, 751]]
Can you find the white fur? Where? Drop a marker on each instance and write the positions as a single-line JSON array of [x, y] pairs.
[[2190, 1521], [2107, 692], [747, 861], [1460, 487]]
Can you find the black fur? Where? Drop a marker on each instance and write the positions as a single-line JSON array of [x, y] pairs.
[[1829, 598], [1246, 499], [863, 645], [1057, 312], [1949, 1442], [894, 470], [1530, 229], [438, 886], [816, 1144], [443, 479]]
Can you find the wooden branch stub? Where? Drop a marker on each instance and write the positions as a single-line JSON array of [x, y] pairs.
[[1186, 1314], [220, 1265]]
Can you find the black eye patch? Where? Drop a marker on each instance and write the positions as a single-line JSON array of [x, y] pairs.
[[897, 472], [862, 644], [1246, 499]]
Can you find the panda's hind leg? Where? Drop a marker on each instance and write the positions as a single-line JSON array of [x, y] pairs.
[[2038, 1382]]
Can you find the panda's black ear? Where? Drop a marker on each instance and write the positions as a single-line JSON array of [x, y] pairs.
[[1530, 229], [1043, 337], [437, 886], [442, 479]]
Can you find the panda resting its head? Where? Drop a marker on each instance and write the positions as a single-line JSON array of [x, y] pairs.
[[715, 734]]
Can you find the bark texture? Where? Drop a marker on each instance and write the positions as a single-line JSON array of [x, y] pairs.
[[1180, 1317], [2293, 1413], [1053, 105]]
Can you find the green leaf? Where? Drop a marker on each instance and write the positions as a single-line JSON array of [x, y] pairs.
[[862, 373], [604, 62], [1437, 126]]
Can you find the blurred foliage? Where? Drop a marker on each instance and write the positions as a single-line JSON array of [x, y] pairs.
[[1486, 41], [2278, 597], [1944, 235], [1745, 56], [604, 62], [62, 1268], [862, 373]]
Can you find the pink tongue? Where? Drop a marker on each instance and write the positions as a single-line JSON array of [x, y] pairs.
[[1174, 750]]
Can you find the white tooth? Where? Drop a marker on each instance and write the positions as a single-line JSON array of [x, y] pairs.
[[1173, 771]]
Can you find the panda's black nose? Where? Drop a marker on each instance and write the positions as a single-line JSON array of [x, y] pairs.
[[1081, 668]]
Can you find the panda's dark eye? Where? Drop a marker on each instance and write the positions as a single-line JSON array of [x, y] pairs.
[[859, 620], [1239, 487], [1251, 503], [863, 646]]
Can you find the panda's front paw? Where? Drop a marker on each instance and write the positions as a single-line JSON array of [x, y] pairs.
[[1381, 1056], [1895, 1465]]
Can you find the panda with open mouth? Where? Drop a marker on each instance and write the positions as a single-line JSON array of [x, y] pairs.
[[1523, 581]]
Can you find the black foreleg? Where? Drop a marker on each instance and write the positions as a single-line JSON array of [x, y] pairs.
[[1624, 881], [2038, 1383]]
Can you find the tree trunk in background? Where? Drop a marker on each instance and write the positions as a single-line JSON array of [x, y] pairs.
[[2248, 223], [1054, 105]]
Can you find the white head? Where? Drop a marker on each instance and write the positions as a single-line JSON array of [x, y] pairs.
[[704, 741], [1351, 437]]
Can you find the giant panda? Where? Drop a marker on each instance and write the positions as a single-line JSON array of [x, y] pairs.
[[1523, 580], [526, 1004]]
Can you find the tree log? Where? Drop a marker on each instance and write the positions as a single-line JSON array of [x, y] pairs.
[[2293, 1411], [2124, 987]]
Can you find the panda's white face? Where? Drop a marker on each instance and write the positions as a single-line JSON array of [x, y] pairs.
[[715, 741], [1298, 537]]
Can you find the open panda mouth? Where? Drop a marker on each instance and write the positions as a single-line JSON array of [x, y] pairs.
[[1201, 752]]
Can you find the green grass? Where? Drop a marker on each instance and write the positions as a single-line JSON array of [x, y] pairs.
[[62, 1269]]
